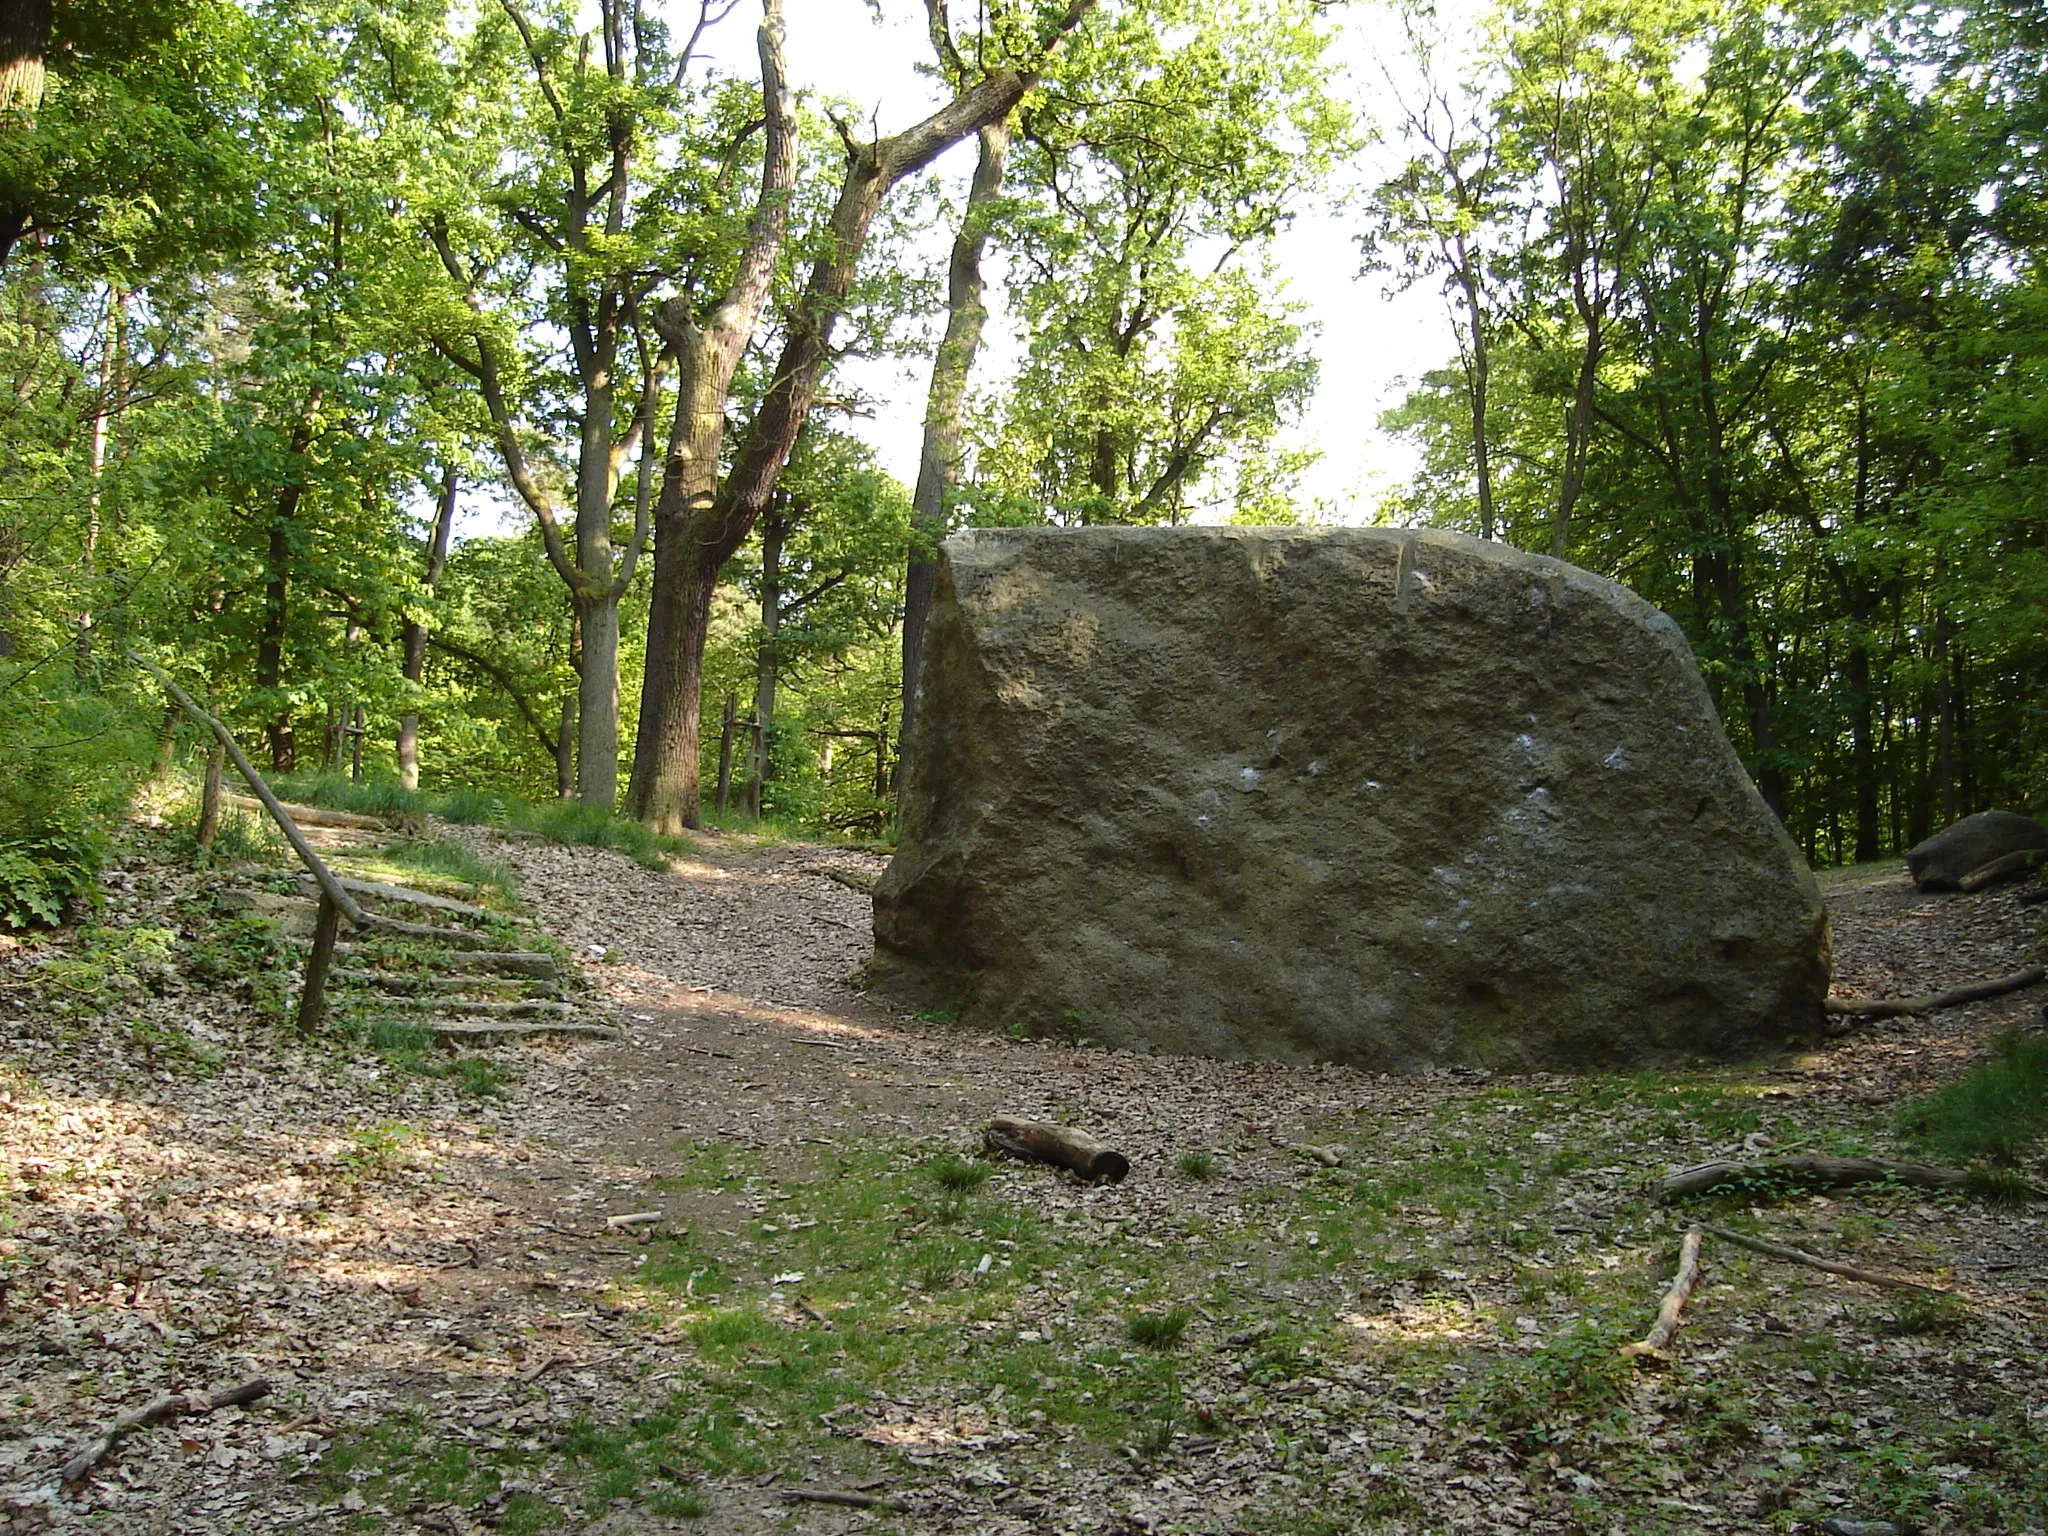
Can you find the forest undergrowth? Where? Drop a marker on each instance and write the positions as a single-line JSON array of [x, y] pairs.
[[1323, 1301]]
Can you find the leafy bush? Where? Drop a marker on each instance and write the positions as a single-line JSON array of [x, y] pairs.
[[44, 874], [68, 762]]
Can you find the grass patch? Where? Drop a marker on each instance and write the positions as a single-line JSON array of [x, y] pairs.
[[339, 792], [959, 1175], [448, 863], [1158, 1330], [560, 821], [1994, 1114], [1199, 1166]]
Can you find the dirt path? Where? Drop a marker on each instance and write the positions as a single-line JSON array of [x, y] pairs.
[[460, 1342]]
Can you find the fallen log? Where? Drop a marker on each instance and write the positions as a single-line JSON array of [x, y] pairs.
[[454, 938], [1826, 1266], [161, 1411], [316, 815], [463, 1029], [2008, 867], [1976, 991], [1671, 1311], [1060, 1145], [2035, 897], [402, 983], [1825, 1172], [506, 962], [378, 890], [520, 1008]]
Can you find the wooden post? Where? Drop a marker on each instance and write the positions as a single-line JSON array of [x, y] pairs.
[[356, 766], [313, 1003], [725, 751]]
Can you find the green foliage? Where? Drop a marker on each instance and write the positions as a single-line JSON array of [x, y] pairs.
[[1997, 1112], [1736, 331], [1158, 377], [246, 954]]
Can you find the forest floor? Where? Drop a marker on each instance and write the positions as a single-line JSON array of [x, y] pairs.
[[837, 1299]]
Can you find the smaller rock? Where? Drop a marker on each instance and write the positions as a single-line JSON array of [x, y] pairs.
[[1837, 1525], [1939, 863]]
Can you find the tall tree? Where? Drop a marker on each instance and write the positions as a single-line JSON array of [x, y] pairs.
[[1152, 178], [698, 533], [939, 457], [591, 213]]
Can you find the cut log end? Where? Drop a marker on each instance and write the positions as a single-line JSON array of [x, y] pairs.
[[1061, 1145]]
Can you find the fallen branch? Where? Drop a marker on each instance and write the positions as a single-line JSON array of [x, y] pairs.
[[2009, 867], [843, 1496], [2033, 898], [1976, 991], [1057, 1144], [161, 1411], [317, 815], [454, 938], [865, 884], [1827, 1266], [1826, 1172], [1671, 1311], [529, 1008], [457, 1029]]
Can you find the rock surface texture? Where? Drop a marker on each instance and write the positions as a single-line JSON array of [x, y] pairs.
[[1391, 798], [1940, 862]]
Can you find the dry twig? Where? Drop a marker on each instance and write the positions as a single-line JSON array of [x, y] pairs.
[[162, 1411], [1671, 1311], [1827, 1266]]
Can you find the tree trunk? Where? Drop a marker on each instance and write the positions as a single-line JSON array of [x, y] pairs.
[[283, 739], [665, 772], [597, 705], [938, 465], [1578, 442], [106, 409], [565, 751], [767, 659], [284, 749], [1478, 380], [1865, 750], [24, 42], [415, 633]]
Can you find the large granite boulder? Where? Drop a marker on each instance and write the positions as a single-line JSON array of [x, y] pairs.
[[1384, 797], [1940, 862]]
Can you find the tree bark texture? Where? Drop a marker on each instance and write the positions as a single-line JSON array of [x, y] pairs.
[[767, 659], [938, 465], [415, 634], [24, 45]]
